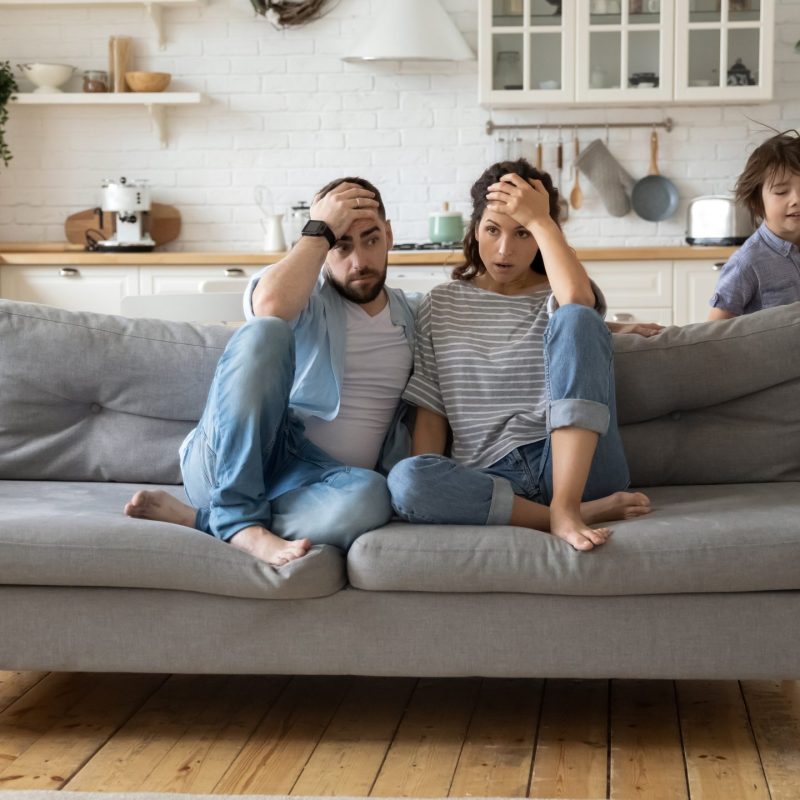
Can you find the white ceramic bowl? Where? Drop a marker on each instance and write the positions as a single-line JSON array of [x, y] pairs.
[[47, 77], [549, 85]]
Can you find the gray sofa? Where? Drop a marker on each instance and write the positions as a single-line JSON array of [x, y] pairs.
[[708, 586]]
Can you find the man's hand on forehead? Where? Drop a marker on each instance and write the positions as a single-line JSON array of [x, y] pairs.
[[344, 205]]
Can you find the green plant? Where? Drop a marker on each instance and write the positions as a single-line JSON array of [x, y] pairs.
[[8, 86]]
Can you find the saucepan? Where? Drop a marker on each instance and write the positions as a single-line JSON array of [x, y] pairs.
[[654, 197]]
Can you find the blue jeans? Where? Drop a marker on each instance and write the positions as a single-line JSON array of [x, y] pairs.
[[248, 461], [579, 372]]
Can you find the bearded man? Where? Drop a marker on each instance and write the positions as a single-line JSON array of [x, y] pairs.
[[304, 418]]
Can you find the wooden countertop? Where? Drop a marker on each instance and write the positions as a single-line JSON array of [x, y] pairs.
[[25, 253]]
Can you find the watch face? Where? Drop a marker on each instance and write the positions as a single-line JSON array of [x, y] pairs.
[[315, 227]]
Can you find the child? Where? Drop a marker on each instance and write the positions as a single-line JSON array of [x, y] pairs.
[[765, 271]]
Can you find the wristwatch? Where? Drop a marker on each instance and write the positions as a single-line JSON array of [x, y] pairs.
[[316, 227]]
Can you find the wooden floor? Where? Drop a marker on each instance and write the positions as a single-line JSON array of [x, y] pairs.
[[400, 737]]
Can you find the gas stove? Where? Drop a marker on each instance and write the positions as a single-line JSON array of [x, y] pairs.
[[429, 246]]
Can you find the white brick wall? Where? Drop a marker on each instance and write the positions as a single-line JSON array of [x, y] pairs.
[[285, 111]]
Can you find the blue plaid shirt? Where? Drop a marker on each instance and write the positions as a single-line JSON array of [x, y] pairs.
[[763, 273]]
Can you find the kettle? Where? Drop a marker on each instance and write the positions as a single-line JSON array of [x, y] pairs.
[[445, 226], [298, 215]]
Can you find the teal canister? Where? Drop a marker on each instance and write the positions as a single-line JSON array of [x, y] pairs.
[[446, 226]]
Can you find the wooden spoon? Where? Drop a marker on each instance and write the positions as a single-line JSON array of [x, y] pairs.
[[576, 195]]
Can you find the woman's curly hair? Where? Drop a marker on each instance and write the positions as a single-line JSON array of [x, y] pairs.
[[474, 266]]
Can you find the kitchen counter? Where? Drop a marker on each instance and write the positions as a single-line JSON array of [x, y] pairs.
[[22, 253]]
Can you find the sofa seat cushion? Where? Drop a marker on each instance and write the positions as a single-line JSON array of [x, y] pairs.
[[75, 534], [724, 538]]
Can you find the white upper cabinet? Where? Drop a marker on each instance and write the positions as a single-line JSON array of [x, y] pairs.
[[526, 52], [548, 52], [625, 50], [724, 49]]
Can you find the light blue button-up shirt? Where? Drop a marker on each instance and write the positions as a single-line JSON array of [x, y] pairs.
[[763, 273], [320, 341]]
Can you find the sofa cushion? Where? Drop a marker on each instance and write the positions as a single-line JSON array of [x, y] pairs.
[[749, 439], [701, 365], [714, 402], [75, 534], [736, 538], [91, 397]]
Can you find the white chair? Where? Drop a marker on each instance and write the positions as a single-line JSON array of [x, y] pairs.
[[224, 285], [220, 307]]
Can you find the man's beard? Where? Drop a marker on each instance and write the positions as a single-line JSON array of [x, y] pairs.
[[361, 294]]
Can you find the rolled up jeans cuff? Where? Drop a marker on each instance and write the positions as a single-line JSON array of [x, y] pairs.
[[201, 520], [502, 502], [574, 413]]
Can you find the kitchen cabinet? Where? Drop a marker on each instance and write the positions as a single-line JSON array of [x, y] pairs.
[[85, 288], [543, 52], [417, 278], [724, 50], [635, 291], [165, 280], [695, 282]]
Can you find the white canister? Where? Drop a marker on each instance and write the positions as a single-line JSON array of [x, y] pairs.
[[273, 234]]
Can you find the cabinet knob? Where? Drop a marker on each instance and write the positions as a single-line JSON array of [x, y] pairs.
[[622, 317], [718, 266], [234, 272], [69, 272]]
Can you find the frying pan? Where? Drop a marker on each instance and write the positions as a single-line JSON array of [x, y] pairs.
[[654, 197]]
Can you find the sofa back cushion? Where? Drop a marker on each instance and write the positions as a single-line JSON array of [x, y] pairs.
[[90, 397], [714, 402]]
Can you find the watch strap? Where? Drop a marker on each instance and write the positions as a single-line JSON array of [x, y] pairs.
[[316, 227]]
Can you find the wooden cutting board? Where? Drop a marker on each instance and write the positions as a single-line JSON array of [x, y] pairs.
[[165, 224]]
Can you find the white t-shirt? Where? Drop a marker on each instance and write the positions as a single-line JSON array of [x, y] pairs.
[[377, 364]]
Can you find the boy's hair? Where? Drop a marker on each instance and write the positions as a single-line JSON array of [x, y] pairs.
[[474, 266], [778, 155], [364, 183]]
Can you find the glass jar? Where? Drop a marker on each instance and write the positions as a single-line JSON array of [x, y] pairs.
[[95, 80]]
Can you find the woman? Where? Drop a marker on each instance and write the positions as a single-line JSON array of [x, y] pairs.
[[513, 360]]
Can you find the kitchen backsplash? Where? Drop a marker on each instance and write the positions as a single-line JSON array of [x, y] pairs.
[[284, 111]]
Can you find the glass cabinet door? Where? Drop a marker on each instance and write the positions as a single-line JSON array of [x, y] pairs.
[[724, 49], [625, 50], [526, 52]]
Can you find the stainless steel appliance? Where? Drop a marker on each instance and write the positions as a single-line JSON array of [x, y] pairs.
[[717, 220], [129, 201]]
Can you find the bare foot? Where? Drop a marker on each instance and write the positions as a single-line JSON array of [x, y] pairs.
[[264, 544], [568, 525], [620, 505], [160, 505]]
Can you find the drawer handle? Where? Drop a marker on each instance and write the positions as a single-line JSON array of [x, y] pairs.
[[718, 266], [69, 272], [234, 272], [622, 317]]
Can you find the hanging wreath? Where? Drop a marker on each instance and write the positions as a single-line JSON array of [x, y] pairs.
[[288, 14]]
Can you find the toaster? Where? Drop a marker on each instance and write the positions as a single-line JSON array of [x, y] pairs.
[[716, 219]]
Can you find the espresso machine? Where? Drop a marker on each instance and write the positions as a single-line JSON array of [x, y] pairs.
[[129, 202]]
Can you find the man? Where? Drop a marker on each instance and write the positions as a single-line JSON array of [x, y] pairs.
[[305, 402]]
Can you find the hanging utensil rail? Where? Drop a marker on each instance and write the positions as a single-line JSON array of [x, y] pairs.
[[668, 124]]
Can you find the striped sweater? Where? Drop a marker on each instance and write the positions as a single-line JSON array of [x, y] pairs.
[[479, 362]]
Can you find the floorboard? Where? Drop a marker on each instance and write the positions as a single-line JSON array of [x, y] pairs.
[[344, 736]]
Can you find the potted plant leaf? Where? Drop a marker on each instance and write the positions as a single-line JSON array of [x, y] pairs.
[[8, 87]]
